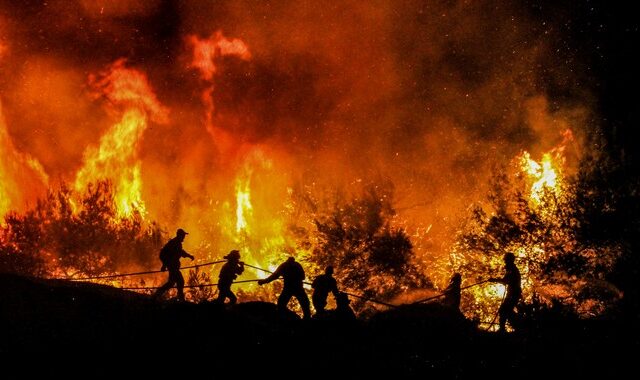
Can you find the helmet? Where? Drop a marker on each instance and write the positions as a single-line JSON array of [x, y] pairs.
[[233, 254], [509, 257]]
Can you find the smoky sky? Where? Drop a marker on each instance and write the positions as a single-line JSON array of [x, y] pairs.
[[431, 94]]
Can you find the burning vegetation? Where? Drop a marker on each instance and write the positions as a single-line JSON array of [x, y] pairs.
[[283, 137]]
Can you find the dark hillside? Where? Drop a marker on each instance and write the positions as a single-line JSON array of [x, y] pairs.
[[53, 315]]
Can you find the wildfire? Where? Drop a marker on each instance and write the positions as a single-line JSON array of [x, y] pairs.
[[543, 174], [116, 156], [306, 108]]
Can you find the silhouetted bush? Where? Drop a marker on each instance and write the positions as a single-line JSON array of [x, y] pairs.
[[68, 233]]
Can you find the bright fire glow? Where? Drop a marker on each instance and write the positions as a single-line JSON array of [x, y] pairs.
[[243, 205], [543, 174], [115, 158]]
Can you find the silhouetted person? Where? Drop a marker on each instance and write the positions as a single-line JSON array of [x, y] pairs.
[[229, 272], [452, 292], [170, 256], [293, 275], [344, 312], [511, 280], [322, 285]]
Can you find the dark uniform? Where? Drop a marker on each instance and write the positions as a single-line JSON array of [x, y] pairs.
[[171, 253], [344, 312], [229, 272], [514, 290], [452, 292], [322, 285], [293, 275]]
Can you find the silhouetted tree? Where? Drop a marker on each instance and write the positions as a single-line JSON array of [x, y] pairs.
[[69, 233], [358, 238]]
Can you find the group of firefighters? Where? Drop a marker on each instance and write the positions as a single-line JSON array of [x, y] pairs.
[[293, 275]]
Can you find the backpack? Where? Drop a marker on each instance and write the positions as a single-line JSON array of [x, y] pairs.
[[165, 254]]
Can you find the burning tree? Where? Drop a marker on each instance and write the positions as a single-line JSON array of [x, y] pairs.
[[358, 237], [536, 212], [68, 233]]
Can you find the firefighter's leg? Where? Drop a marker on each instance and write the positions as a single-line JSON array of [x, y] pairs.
[[180, 284], [283, 299], [301, 295]]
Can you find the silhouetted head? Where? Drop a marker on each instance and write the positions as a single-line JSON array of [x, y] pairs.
[[342, 300], [509, 258], [180, 234], [291, 259], [329, 270], [456, 278], [233, 255]]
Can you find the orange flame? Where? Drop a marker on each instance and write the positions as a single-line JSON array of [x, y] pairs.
[[243, 204], [19, 173], [205, 54], [206, 51], [543, 174], [116, 156]]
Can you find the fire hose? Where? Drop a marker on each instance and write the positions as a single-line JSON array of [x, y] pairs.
[[140, 273], [445, 293], [349, 294], [186, 286], [255, 280]]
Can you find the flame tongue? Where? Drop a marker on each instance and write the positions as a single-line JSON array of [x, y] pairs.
[[543, 174], [20, 173], [116, 156], [205, 54]]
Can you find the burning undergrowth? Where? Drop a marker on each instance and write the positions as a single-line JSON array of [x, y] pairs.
[[537, 210]]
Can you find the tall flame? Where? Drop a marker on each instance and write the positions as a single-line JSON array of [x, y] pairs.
[[116, 156]]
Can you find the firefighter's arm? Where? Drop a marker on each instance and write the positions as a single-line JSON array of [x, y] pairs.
[[186, 254], [334, 290], [273, 276], [497, 279]]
